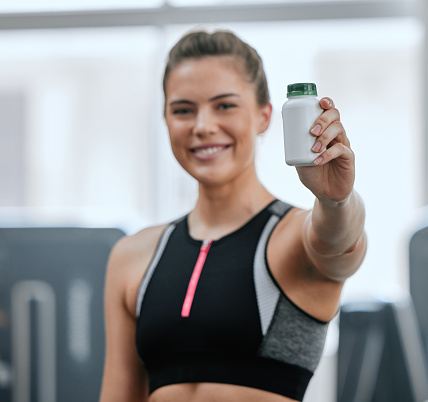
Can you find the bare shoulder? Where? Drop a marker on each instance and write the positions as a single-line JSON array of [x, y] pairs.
[[137, 245], [291, 225], [129, 260], [286, 252]]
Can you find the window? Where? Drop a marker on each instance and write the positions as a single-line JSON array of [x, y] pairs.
[[95, 137], [27, 6]]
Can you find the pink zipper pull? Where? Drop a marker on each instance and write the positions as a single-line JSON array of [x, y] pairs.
[[193, 283]]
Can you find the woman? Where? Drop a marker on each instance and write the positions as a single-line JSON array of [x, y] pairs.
[[236, 296]]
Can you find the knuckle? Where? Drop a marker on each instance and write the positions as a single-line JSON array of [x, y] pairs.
[[325, 137], [327, 154], [348, 143], [342, 148], [323, 119], [338, 124], [337, 112]]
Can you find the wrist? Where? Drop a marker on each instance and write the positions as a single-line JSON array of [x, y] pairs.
[[337, 225], [333, 204]]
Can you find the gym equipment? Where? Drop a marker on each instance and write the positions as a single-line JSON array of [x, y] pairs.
[[380, 354], [51, 312], [418, 275]]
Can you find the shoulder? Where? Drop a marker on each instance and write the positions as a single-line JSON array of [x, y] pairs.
[[286, 253], [128, 262], [290, 226], [136, 246]]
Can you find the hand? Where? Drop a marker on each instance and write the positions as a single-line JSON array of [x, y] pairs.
[[332, 179]]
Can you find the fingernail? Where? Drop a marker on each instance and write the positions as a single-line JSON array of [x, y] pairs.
[[316, 147], [319, 160], [316, 129]]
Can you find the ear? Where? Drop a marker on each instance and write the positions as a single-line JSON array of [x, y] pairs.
[[265, 115]]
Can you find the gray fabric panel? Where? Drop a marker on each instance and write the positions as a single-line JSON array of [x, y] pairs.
[[267, 292], [294, 337], [151, 268], [279, 208]]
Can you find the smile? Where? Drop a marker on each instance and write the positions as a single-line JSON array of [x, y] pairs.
[[206, 152], [210, 150]]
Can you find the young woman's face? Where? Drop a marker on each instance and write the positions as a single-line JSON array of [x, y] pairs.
[[213, 118]]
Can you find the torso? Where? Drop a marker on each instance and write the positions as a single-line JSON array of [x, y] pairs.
[[294, 284], [211, 392]]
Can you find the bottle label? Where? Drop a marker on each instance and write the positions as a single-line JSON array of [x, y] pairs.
[[298, 141]]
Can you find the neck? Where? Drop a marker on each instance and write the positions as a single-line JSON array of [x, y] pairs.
[[222, 209]]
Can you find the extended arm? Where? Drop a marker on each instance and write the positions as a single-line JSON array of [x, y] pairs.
[[333, 232], [334, 236]]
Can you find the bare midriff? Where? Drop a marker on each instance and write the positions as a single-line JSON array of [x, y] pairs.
[[213, 392]]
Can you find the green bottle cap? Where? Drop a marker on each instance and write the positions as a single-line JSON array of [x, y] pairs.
[[304, 88]]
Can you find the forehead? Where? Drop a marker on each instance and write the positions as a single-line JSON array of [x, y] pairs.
[[210, 73]]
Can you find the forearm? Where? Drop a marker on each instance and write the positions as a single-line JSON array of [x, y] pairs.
[[333, 229]]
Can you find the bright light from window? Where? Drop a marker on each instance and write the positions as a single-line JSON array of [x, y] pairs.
[[25, 6], [201, 3]]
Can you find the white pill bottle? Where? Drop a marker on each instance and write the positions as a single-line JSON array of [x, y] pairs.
[[299, 113]]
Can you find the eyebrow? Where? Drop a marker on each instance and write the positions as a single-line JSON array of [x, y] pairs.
[[187, 102], [223, 96]]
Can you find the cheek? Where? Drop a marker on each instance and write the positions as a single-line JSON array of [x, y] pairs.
[[179, 148], [176, 133], [176, 146], [247, 132]]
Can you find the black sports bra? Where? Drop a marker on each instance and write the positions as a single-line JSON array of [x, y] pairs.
[[212, 312]]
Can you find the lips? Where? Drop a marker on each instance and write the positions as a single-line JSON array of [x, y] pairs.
[[209, 150]]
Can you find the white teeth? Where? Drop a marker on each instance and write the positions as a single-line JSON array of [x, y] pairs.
[[208, 151]]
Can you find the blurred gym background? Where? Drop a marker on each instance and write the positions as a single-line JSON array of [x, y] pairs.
[[85, 159]]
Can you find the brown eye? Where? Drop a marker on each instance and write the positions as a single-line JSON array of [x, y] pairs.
[[225, 106], [183, 110]]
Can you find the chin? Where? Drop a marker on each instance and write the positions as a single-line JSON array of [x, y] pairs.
[[215, 176], [208, 178]]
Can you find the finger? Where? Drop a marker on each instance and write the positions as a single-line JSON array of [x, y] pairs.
[[335, 133], [338, 150], [324, 120], [326, 103]]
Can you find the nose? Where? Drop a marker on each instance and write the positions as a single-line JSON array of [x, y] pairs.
[[205, 123]]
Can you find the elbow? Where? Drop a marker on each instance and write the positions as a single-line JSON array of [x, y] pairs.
[[339, 267]]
